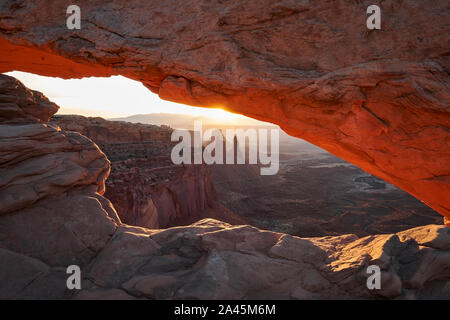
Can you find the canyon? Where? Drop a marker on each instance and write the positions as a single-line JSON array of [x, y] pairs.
[[145, 187], [311, 67], [315, 194], [53, 214]]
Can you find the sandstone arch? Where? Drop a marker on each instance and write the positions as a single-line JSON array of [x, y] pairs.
[[378, 99]]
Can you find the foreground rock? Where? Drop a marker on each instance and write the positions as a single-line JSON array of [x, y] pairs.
[[66, 221], [37, 160], [379, 99], [214, 260], [52, 213]]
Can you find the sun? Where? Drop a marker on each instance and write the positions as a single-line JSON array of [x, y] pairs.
[[219, 114]]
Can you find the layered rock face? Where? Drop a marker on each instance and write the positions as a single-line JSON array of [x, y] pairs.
[[52, 213], [379, 99], [144, 186], [166, 196], [120, 133], [37, 160]]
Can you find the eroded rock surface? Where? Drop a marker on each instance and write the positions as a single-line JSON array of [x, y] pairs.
[[68, 222], [52, 213], [36, 160], [379, 99]]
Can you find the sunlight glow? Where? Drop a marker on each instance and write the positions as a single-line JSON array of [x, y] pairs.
[[111, 97]]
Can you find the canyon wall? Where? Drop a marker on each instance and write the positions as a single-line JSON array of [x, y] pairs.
[[120, 133], [145, 187], [376, 98], [166, 196]]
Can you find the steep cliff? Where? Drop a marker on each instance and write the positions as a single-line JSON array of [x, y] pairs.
[[379, 99], [166, 196]]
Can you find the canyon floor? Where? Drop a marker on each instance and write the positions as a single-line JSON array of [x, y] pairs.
[[317, 194]]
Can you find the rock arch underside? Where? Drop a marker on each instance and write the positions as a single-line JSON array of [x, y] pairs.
[[378, 99]]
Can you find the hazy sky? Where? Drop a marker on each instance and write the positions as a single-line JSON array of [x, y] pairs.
[[109, 97]]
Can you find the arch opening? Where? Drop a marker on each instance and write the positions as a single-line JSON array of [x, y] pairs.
[[313, 193]]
